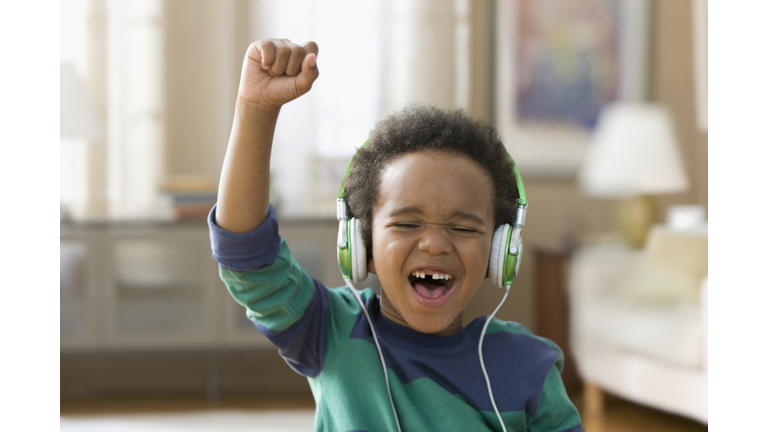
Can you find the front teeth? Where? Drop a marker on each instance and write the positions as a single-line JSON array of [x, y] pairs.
[[423, 275]]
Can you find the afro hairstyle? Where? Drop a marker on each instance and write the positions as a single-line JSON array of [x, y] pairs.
[[418, 128]]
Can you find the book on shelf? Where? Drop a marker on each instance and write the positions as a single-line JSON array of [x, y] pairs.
[[189, 197]]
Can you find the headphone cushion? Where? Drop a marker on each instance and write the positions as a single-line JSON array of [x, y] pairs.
[[498, 254], [358, 252]]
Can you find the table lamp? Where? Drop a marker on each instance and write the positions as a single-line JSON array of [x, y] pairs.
[[78, 120], [633, 154], [77, 115]]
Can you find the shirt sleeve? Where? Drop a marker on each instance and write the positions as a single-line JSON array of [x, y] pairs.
[[250, 251], [284, 303], [556, 412]]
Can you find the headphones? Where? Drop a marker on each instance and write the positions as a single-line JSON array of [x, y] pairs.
[[506, 247]]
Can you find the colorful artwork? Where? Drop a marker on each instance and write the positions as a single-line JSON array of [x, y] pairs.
[[567, 64]]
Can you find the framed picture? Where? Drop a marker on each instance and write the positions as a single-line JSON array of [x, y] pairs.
[[323, 181], [557, 65]]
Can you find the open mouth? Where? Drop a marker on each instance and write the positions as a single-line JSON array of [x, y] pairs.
[[431, 286]]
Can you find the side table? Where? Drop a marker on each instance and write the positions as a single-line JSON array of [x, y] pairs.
[[552, 310]]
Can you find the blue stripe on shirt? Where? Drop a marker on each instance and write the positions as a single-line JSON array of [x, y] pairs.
[[303, 344], [242, 252], [517, 364]]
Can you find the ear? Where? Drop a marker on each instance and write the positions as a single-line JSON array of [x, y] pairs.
[[371, 266]]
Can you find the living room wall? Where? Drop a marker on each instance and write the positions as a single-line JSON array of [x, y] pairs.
[[558, 210], [672, 84]]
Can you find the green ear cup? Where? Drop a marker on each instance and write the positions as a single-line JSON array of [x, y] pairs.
[[344, 254], [508, 272], [511, 267], [351, 252]]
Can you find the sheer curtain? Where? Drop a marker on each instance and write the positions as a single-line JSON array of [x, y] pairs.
[[376, 57], [334, 118], [116, 49], [136, 106], [164, 76], [73, 161]]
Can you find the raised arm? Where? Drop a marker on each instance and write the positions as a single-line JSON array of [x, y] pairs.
[[275, 71]]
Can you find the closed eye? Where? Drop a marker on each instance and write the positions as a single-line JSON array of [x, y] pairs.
[[464, 229], [406, 225]]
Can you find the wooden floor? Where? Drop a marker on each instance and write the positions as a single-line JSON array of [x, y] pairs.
[[623, 416], [620, 415]]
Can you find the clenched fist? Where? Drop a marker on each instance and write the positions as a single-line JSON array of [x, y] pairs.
[[277, 71]]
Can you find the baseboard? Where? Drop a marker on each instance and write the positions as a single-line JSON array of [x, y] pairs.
[[216, 373]]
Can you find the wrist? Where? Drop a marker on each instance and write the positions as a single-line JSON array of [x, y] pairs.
[[251, 108]]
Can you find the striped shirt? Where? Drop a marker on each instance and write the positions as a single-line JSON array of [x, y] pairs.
[[437, 383]]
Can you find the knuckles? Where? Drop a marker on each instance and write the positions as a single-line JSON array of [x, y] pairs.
[[281, 56]]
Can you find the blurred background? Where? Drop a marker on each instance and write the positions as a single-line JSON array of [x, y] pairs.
[[603, 105]]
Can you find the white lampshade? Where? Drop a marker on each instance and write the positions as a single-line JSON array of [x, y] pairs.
[[77, 115], [633, 152]]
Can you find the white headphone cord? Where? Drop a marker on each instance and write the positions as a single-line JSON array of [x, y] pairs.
[[378, 347], [482, 363]]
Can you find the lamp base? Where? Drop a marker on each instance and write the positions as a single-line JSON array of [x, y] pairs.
[[634, 217]]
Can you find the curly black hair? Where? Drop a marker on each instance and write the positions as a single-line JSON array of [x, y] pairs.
[[417, 128]]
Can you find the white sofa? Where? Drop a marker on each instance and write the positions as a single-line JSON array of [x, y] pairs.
[[638, 321]]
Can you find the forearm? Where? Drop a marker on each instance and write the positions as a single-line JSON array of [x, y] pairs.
[[243, 197], [275, 72]]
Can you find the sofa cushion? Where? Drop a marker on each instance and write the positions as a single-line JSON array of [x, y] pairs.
[[654, 282], [671, 269]]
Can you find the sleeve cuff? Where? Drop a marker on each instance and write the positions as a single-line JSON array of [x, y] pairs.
[[249, 251]]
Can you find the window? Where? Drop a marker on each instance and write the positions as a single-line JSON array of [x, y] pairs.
[[164, 76]]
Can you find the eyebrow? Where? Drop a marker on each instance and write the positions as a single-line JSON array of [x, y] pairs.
[[460, 214]]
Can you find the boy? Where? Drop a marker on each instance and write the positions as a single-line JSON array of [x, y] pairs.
[[428, 192]]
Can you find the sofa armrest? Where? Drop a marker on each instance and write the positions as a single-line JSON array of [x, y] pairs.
[[594, 271]]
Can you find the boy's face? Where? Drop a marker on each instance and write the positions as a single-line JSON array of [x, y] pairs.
[[433, 217]]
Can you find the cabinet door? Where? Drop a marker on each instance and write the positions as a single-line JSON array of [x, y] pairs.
[[78, 290], [162, 288]]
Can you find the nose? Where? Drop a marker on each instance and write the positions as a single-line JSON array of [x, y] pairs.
[[435, 241]]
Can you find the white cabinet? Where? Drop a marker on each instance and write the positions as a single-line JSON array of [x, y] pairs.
[[144, 286], [162, 287], [155, 286], [79, 289]]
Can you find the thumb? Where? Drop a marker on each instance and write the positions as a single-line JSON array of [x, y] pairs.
[[309, 72]]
